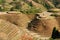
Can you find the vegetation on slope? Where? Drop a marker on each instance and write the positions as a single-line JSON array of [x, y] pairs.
[[28, 6]]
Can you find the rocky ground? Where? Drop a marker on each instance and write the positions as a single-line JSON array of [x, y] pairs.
[[29, 19]]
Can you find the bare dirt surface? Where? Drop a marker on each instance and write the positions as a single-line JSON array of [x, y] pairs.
[[44, 27], [29, 19]]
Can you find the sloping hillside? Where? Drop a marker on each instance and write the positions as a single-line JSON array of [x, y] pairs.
[[28, 6], [36, 19]]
